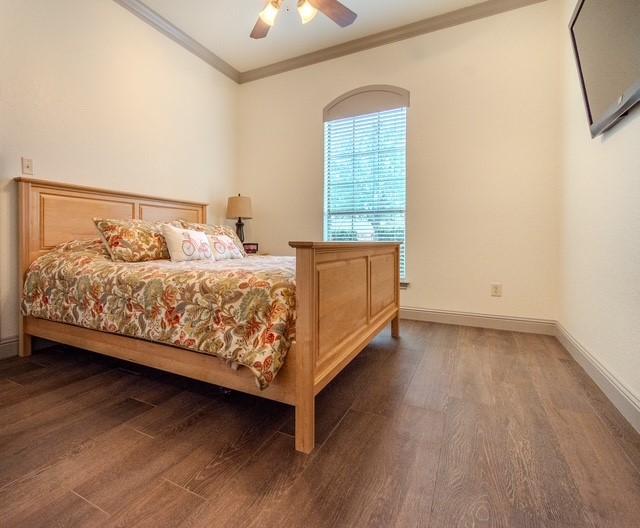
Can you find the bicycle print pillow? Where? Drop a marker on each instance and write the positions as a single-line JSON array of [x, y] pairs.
[[216, 230], [133, 240], [224, 248], [185, 244]]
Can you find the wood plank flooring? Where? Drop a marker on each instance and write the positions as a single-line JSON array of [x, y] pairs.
[[445, 427]]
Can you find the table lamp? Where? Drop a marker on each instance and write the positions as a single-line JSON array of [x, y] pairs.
[[239, 207]]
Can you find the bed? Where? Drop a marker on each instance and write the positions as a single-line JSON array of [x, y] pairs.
[[326, 305]]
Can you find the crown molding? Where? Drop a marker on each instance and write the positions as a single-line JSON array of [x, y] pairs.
[[427, 25], [165, 27]]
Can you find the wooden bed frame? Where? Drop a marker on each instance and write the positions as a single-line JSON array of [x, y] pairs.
[[346, 293]]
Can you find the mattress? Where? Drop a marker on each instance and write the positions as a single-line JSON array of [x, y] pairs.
[[241, 310]]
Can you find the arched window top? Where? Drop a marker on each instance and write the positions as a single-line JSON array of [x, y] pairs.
[[366, 100]]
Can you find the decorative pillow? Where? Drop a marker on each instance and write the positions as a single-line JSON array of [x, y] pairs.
[[185, 244], [133, 240], [224, 248], [218, 230]]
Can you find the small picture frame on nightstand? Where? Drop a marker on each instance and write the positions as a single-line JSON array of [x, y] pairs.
[[251, 248]]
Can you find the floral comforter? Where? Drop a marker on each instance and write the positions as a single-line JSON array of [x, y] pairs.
[[240, 310]]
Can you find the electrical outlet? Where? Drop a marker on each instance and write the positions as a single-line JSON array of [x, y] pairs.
[[27, 166], [496, 289]]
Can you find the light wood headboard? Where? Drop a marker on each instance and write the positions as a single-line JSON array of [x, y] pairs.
[[52, 213]]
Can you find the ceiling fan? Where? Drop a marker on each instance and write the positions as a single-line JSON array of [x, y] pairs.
[[308, 9]]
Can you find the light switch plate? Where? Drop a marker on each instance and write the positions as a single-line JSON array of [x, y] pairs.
[[27, 166]]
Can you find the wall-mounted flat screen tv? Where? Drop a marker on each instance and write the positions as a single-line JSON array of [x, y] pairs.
[[606, 42]]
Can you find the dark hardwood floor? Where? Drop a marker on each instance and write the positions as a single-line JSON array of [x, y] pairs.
[[445, 427]]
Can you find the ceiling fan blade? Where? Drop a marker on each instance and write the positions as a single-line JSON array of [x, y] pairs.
[[260, 30], [339, 13]]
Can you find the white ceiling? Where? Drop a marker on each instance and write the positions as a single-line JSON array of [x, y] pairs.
[[223, 26]]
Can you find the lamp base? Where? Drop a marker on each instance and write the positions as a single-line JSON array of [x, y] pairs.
[[240, 229]]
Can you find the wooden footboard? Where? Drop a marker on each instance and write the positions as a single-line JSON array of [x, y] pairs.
[[346, 293]]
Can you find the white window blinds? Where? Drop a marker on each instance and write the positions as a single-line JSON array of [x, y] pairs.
[[365, 178]]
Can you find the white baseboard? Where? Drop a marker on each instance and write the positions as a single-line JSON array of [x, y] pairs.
[[495, 322], [9, 348], [618, 393]]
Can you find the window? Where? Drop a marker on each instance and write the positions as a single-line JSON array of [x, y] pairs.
[[365, 178]]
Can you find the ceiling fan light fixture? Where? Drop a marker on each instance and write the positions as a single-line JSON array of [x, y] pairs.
[[270, 12], [306, 10]]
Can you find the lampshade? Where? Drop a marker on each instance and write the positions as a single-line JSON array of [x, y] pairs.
[[239, 207], [307, 11], [270, 12]]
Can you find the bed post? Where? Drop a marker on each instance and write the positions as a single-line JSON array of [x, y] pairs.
[[24, 341], [24, 195], [395, 326], [395, 322], [305, 347]]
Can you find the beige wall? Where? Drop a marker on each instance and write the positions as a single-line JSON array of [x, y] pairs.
[[483, 158], [600, 225], [97, 97]]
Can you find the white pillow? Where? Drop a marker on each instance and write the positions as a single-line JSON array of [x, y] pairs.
[[184, 244], [224, 247]]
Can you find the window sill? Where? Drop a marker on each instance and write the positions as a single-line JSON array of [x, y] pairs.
[[404, 285]]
